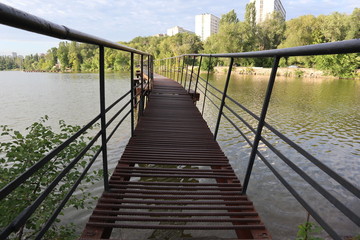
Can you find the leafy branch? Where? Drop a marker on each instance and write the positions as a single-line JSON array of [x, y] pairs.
[[19, 153]]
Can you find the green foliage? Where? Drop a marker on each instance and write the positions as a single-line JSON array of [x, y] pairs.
[[271, 32], [229, 17], [354, 25], [233, 36], [340, 65], [21, 151], [299, 73], [307, 231]]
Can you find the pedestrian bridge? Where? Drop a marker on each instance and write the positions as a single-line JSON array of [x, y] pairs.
[[192, 186]]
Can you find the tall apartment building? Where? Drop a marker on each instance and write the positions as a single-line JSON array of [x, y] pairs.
[[175, 30], [265, 7], [206, 25]]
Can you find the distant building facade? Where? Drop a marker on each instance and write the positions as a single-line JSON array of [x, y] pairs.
[[206, 25], [175, 30], [266, 7]]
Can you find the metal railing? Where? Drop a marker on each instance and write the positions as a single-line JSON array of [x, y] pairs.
[[181, 69], [130, 100]]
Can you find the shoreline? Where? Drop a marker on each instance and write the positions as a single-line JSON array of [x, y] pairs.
[[282, 72], [259, 71]]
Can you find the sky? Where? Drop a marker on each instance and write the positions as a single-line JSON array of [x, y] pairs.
[[123, 20]]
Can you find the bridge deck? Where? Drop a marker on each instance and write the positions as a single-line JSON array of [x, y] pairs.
[[173, 175]]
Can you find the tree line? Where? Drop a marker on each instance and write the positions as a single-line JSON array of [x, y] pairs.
[[233, 36]]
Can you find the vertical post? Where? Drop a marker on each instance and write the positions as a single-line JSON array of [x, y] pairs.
[[132, 84], [162, 64], [223, 98], [169, 68], [182, 71], [186, 74], [198, 73], [173, 68], [149, 74], [192, 71], [152, 68], [178, 69], [103, 117], [261, 123], [142, 85], [206, 86]]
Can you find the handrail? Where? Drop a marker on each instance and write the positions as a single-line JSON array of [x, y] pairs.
[[212, 93], [340, 47], [19, 19], [22, 20]]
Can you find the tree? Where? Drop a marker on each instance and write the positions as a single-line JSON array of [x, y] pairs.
[[51, 58], [339, 65], [179, 44], [230, 17], [63, 55], [299, 32], [74, 56], [333, 27], [354, 25], [250, 14], [271, 31]]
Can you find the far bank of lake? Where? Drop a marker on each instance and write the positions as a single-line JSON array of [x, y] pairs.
[[292, 72]]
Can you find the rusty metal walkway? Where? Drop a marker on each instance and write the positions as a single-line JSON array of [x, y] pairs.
[[173, 175]]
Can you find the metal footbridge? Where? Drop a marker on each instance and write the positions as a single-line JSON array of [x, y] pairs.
[[173, 174]]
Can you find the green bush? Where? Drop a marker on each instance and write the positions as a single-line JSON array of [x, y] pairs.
[[307, 230], [19, 153]]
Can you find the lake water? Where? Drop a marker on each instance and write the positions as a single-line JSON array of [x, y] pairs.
[[322, 116]]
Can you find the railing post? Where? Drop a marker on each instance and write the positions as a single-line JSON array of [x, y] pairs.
[[132, 85], [168, 68], [223, 98], [175, 67], [186, 74], [103, 117], [206, 86], [142, 85], [192, 71], [152, 68], [173, 62], [182, 70], [261, 123], [162, 66], [198, 73], [149, 74], [178, 69]]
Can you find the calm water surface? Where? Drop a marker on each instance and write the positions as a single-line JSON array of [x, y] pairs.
[[322, 116]]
